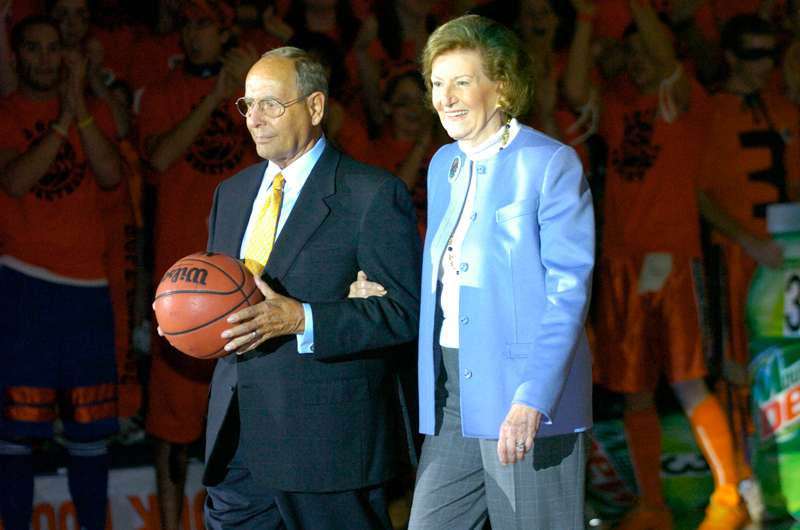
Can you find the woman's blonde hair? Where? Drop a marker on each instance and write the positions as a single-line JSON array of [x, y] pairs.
[[504, 58]]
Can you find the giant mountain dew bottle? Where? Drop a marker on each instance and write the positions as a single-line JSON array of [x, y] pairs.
[[773, 321]]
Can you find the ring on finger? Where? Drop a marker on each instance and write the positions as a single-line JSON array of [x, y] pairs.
[[521, 447], [255, 334]]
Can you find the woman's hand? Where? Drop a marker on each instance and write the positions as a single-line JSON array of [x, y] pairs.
[[362, 288], [517, 433]]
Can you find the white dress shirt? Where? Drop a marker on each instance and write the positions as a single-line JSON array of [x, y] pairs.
[[295, 176]]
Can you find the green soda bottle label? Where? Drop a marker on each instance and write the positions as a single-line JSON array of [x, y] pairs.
[[775, 388], [776, 391]]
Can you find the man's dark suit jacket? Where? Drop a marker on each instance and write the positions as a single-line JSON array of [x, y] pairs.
[[328, 420]]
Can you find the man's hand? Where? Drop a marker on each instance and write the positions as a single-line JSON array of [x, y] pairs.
[[519, 427], [276, 316], [235, 65], [362, 288], [72, 85]]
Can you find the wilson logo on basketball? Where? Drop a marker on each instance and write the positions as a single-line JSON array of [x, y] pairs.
[[193, 315], [186, 274]]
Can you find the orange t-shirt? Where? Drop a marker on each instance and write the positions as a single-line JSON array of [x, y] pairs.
[[186, 191], [57, 224], [650, 203], [164, 55], [750, 164], [119, 51]]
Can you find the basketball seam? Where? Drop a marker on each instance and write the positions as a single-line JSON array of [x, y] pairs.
[[246, 299], [239, 284]]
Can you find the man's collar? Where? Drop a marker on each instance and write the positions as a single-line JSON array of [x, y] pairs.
[[300, 168]]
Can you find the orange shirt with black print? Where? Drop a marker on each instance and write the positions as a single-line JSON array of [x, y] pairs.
[[185, 192], [753, 157], [651, 173], [752, 160], [57, 224]]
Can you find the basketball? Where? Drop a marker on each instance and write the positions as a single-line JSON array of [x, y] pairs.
[[195, 298]]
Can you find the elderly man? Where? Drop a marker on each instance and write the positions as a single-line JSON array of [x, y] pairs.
[[303, 420]]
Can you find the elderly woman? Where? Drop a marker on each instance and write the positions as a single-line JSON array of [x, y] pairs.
[[504, 365]]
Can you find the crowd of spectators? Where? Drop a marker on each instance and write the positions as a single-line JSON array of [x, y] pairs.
[[684, 113]]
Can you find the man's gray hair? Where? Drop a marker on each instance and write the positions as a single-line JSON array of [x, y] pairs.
[[309, 75]]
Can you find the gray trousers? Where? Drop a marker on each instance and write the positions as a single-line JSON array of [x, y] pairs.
[[461, 483]]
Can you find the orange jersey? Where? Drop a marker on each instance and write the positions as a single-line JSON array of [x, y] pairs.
[[186, 191], [752, 160], [753, 157], [650, 203], [57, 224]]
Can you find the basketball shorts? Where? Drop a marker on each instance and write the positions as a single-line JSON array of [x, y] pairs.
[[57, 359], [177, 394], [641, 336]]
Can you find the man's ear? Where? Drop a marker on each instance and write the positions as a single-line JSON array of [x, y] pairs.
[[316, 106]]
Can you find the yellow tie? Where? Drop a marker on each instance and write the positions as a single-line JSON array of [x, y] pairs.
[[263, 235]]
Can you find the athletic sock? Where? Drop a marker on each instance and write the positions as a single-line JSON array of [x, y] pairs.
[[16, 485], [87, 471], [643, 432], [714, 437]]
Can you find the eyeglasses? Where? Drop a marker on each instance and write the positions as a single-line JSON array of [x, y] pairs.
[[271, 108]]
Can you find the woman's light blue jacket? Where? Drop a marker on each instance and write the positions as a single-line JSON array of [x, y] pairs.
[[526, 272]]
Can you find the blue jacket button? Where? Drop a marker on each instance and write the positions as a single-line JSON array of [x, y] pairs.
[[464, 320], [467, 374]]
